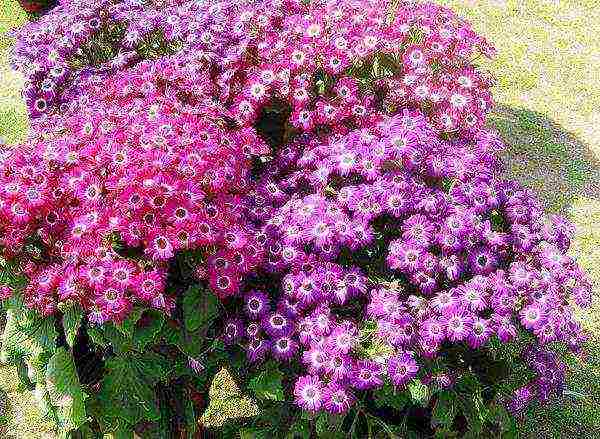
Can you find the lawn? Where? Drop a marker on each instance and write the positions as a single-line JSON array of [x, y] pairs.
[[548, 94]]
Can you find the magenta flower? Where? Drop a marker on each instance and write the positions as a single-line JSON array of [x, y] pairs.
[[337, 399], [367, 375], [532, 316], [277, 324], [233, 332], [458, 325], [256, 304], [284, 348], [309, 393], [402, 368]]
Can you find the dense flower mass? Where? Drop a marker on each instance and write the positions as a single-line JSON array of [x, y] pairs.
[[419, 236], [132, 167], [325, 161], [98, 175], [333, 63]]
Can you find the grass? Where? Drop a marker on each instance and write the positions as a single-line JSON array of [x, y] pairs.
[[13, 115], [549, 114], [19, 415]]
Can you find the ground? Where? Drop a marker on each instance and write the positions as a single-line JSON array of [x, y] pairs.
[[548, 94]]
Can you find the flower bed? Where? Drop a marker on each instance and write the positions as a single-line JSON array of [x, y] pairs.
[[303, 192]]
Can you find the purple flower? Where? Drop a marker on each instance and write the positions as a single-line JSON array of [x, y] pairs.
[[322, 319], [452, 267], [316, 359], [433, 329], [402, 368], [253, 330], [305, 330], [342, 339], [532, 316], [257, 349], [367, 375], [473, 294], [233, 332], [418, 229], [284, 348], [384, 303], [309, 394], [582, 295], [256, 304], [480, 333], [482, 260], [505, 328], [337, 399], [339, 366], [277, 324], [458, 325], [444, 301], [195, 365], [520, 399]]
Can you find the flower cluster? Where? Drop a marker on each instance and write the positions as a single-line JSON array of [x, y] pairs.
[[331, 63], [378, 236], [79, 39], [339, 63], [394, 225], [97, 208]]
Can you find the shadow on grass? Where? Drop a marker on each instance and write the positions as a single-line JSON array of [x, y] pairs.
[[546, 158]]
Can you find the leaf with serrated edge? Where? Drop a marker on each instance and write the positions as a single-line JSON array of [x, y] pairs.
[[65, 391], [200, 308], [268, 385], [72, 317], [127, 389]]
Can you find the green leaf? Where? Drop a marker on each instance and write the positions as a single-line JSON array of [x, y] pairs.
[[10, 276], [72, 316], [191, 422], [127, 390], [97, 335], [24, 380], [27, 334], [299, 430], [419, 392], [148, 329], [128, 325], [329, 426], [14, 303], [471, 402], [388, 396], [114, 337], [444, 410], [189, 343], [268, 385], [253, 433], [14, 342], [321, 424], [40, 330], [508, 425], [200, 308], [123, 433], [64, 390]]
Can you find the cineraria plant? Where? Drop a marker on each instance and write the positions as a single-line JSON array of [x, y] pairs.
[[306, 182], [395, 258], [131, 177]]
